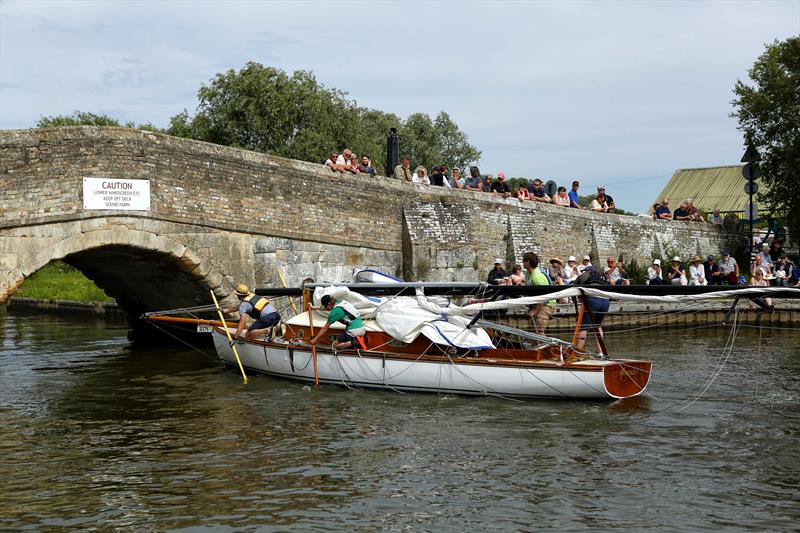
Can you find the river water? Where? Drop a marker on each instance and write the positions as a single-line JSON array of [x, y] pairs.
[[98, 434]]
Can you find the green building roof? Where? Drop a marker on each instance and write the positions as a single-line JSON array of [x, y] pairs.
[[710, 187]]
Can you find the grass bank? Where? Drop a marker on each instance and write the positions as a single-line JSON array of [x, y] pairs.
[[60, 281]]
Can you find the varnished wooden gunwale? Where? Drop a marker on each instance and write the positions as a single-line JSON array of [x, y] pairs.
[[480, 361]]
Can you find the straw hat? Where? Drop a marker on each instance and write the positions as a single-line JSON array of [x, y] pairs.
[[556, 260], [241, 290], [696, 259]]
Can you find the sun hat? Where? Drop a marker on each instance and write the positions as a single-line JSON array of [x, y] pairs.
[[696, 259], [241, 290], [556, 260], [571, 258], [587, 258], [676, 258], [498, 261], [657, 262]]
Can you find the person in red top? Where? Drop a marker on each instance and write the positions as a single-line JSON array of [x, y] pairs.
[[522, 193]]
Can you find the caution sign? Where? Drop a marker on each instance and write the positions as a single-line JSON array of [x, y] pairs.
[[116, 195]]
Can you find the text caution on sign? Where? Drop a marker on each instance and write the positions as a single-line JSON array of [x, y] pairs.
[[113, 194]]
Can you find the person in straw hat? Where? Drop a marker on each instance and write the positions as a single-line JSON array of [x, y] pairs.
[[697, 272], [556, 271], [258, 308]]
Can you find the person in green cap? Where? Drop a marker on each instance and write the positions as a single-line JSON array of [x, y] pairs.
[[539, 313], [347, 314]]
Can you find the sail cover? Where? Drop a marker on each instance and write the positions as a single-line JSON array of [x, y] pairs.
[[405, 318]]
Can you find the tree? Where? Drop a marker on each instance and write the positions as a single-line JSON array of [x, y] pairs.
[[264, 109], [84, 118], [769, 116]]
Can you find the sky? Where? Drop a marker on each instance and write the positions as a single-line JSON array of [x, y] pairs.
[[614, 93]]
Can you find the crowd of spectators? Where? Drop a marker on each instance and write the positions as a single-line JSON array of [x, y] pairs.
[[774, 270], [347, 161], [686, 211], [442, 176]]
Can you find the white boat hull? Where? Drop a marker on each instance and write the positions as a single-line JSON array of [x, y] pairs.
[[450, 377]]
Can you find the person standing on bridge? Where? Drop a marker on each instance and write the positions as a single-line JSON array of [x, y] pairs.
[[258, 308]]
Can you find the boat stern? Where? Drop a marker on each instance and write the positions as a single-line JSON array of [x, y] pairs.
[[624, 379]]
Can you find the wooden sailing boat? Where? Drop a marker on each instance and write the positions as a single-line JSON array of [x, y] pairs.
[[515, 363]]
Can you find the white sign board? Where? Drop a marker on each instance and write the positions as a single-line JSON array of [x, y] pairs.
[[116, 195]]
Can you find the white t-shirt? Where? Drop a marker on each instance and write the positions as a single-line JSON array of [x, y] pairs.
[[613, 275], [697, 274], [342, 161], [570, 273]]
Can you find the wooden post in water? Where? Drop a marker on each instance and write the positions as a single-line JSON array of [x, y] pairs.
[[313, 346], [228, 333]]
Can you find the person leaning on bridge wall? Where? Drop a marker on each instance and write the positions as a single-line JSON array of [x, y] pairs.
[[574, 199], [403, 170], [474, 183], [715, 218], [662, 211], [366, 166], [500, 187]]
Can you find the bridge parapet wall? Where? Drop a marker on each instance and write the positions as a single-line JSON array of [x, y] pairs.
[[245, 214]]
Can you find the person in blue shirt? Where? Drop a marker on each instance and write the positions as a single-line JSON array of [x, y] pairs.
[[256, 307], [574, 199], [662, 211]]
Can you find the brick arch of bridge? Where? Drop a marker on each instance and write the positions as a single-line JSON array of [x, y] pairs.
[[140, 269]]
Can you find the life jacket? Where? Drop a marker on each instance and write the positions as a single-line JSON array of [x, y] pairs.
[[350, 312], [258, 303]]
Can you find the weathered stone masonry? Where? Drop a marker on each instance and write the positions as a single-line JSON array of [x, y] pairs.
[[221, 215]]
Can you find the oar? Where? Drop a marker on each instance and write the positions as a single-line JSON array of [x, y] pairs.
[[313, 346], [230, 340], [283, 282]]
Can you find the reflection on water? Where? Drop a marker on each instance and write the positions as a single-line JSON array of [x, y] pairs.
[[95, 433]]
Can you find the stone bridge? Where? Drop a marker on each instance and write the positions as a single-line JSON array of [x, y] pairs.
[[219, 216]]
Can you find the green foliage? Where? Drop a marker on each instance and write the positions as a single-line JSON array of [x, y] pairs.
[[60, 281], [769, 116], [264, 109], [636, 273], [83, 118], [78, 118]]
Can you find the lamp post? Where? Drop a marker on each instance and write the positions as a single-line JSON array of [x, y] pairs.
[[751, 172]]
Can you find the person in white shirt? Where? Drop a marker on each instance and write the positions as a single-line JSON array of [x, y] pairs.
[[343, 161], [765, 258], [571, 270], [697, 272], [614, 272], [654, 275], [421, 176]]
